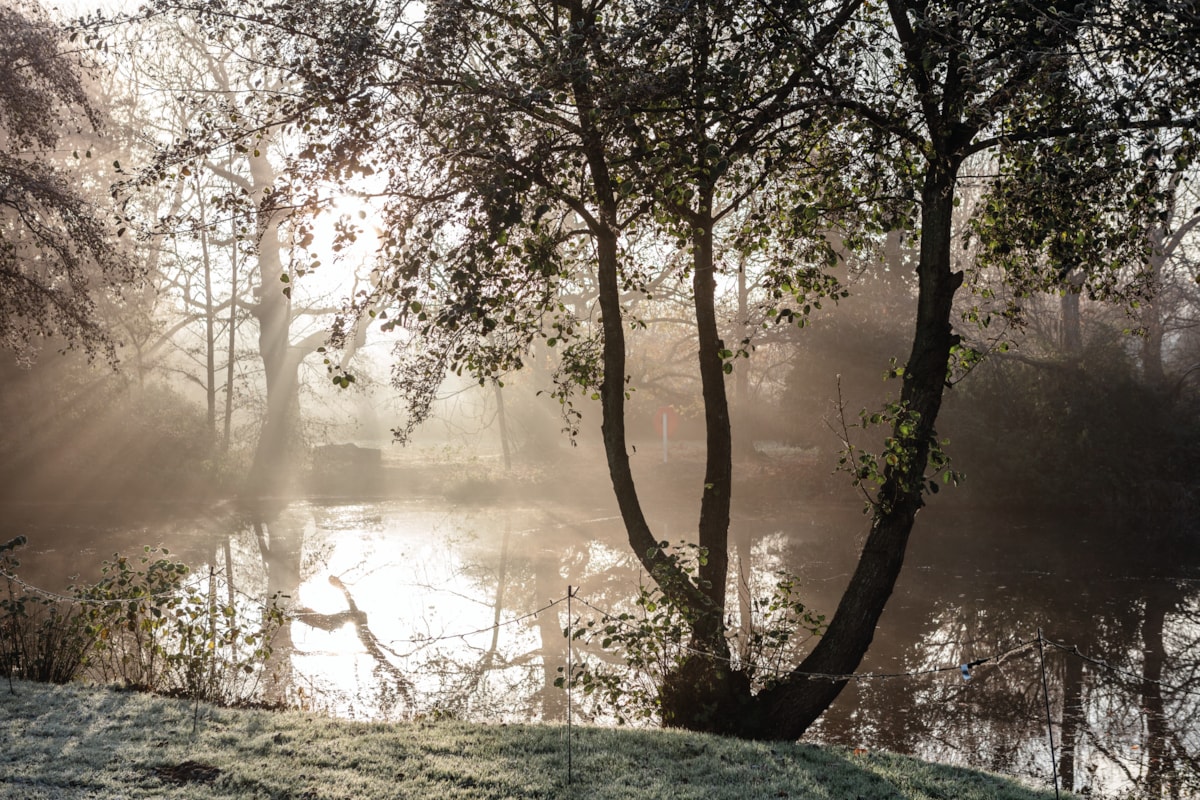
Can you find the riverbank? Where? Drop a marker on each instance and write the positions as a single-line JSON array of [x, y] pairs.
[[74, 742]]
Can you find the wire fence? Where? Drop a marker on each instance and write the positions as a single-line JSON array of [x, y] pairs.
[[84, 600], [965, 668]]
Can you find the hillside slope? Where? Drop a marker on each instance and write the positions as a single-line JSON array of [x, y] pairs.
[[74, 742]]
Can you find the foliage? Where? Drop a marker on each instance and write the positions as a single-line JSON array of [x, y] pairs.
[[56, 251], [639, 649], [168, 453], [41, 639], [780, 630], [869, 470], [159, 632], [649, 642], [580, 369], [142, 624], [1058, 432], [1071, 212]]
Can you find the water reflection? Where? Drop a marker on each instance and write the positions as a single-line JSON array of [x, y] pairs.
[[1121, 664], [404, 609]]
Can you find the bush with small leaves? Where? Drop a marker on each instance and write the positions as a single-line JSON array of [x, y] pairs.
[[147, 623], [156, 630], [41, 638], [634, 651]]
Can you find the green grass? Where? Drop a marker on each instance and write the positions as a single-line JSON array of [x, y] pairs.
[[63, 743]]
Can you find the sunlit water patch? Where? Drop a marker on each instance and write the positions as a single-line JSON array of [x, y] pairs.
[[411, 612]]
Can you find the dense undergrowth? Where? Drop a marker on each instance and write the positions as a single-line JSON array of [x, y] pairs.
[[148, 623], [1063, 433]]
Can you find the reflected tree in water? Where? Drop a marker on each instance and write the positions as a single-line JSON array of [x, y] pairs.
[[1123, 668]]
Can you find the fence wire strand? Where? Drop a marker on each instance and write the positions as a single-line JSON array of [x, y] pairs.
[[831, 676], [196, 582], [201, 579]]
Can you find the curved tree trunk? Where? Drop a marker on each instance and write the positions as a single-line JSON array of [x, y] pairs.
[[788, 709], [705, 693], [267, 475], [604, 230], [273, 311]]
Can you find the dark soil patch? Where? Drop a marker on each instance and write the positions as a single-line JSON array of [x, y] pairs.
[[188, 772]]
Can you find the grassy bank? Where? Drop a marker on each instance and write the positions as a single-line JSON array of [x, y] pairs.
[[76, 742]]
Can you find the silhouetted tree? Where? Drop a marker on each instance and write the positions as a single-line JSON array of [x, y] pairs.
[[523, 143], [56, 250]]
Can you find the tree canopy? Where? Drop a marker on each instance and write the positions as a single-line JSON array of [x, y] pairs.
[[531, 154], [56, 250]]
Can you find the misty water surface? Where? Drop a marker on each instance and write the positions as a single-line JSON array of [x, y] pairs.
[[418, 607]]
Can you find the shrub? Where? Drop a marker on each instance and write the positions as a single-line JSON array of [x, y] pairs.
[[1088, 433], [651, 641], [158, 631], [148, 623], [41, 638]]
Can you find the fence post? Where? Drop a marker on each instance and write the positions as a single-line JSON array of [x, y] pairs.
[[1049, 720], [570, 678]]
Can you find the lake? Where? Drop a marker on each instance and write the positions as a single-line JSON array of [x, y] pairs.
[[420, 606]]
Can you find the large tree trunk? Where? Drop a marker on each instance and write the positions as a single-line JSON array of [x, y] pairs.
[[788, 709], [604, 229], [1153, 330], [1153, 372], [268, 473], [273, 465], [1071, 338], [1070, 334], [705, 693]]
